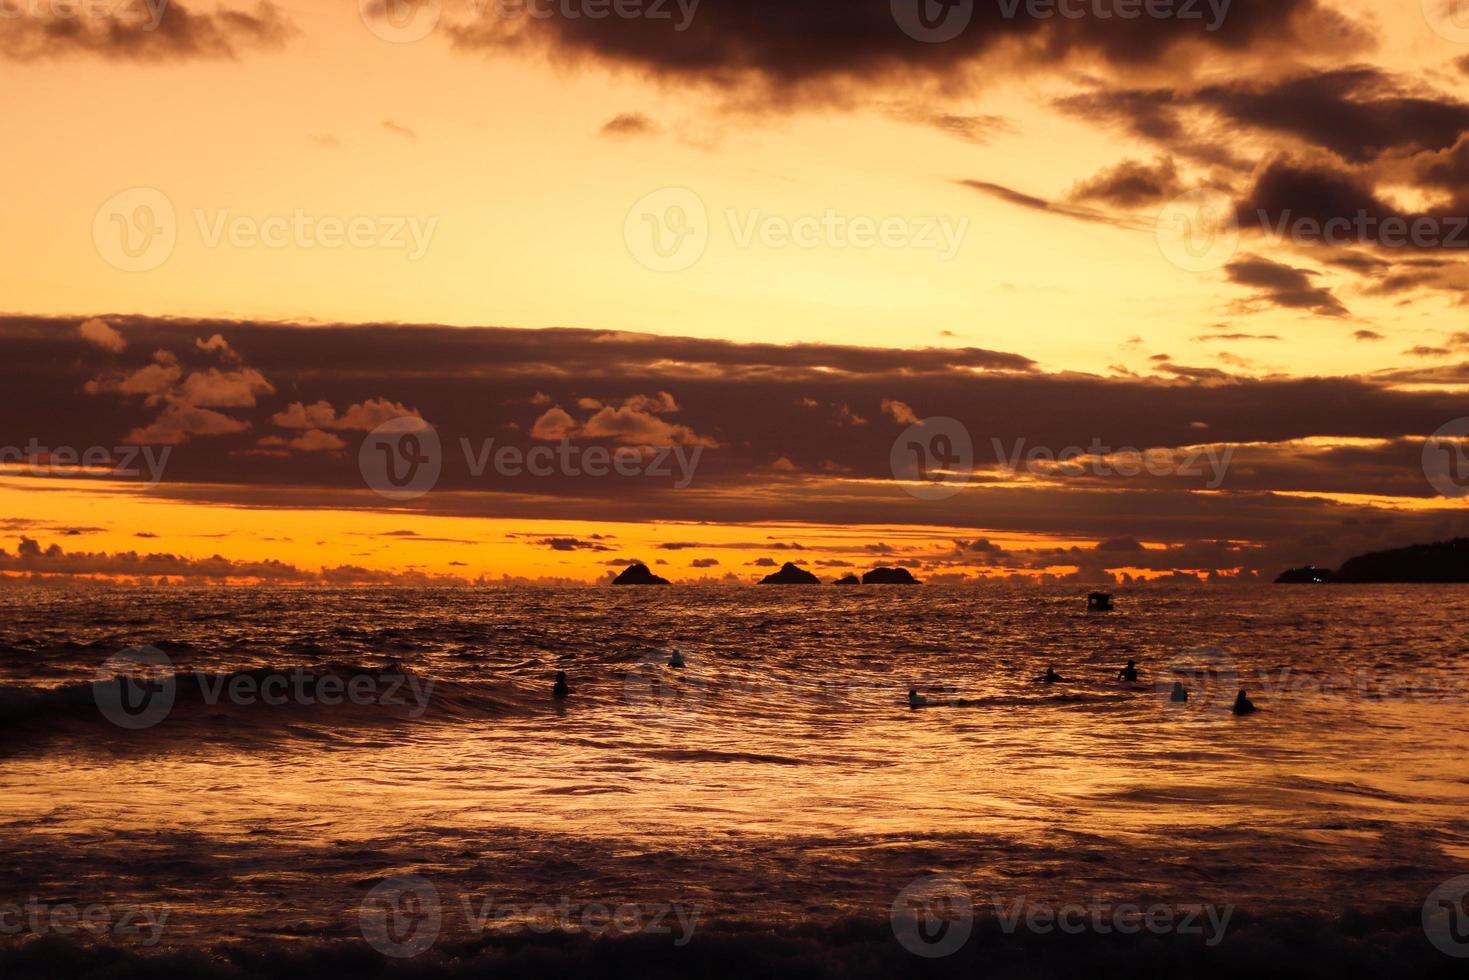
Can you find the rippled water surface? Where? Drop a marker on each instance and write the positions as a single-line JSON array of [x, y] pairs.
[[781, 774]]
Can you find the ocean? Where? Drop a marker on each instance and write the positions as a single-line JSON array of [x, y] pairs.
[[380, 780]]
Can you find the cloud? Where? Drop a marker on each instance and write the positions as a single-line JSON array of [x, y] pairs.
[[636, 422], [1304, 452], [399, 130], [630, 124], [100, 332], [976, 129], [180, 421], [133, 32], [361, 417], [189, 400], [30, 558], [632, 427], [150, 381], [704, 563], [1283, 285], [1131, 184], [225, 389], [780, 52], [1033, 203], [553, 425], [572, 544], [1358, 113], [1206, 338], [899, 412], [217, 345], [317, 441]]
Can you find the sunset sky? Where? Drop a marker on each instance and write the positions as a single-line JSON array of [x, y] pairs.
[[769, 236]]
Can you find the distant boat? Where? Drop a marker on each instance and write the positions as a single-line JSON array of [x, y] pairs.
[[1099, 602]]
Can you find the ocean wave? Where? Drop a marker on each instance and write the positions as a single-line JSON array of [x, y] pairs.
[[275, 699]]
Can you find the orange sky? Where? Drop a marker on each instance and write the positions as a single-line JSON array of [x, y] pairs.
[[518, 183]]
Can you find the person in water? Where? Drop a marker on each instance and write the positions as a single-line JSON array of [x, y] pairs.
[[1180, 693], [1243, 705], [677, 659], [1128, 673], [1050, 676], [560, 691], [916, 700]]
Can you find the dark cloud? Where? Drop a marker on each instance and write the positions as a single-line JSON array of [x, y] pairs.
[[1131, 184], [1033, 203], [572, 544], [128, 32], [629, 124], [1284, 285], [1358, 113], [472, 384], [823, 48], [977, 129], [30, 558]]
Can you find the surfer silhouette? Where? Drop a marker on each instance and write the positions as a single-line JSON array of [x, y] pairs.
[[1050, 676], [560, 690], [1128, 673], [1243, 705], [1180, 693]]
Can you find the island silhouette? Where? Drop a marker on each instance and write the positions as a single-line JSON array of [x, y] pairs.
[[1439, 562], [638, 574], [889, 576], [790, 574]]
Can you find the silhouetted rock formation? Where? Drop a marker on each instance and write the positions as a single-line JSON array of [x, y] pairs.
[[889, 576], [790, 575], [848, 579], [638, 575], [1306, 575], [1442, 561]]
